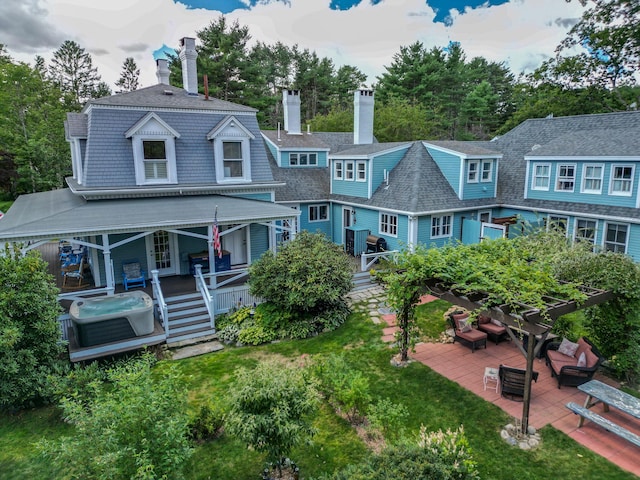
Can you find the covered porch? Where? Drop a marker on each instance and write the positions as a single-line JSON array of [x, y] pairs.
[[162, 234]]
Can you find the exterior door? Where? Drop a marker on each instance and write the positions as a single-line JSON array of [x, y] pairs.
[[346, 222], [236, 244], [162, 253]]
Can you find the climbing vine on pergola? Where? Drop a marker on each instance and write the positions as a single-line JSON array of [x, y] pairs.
[[515, 281]]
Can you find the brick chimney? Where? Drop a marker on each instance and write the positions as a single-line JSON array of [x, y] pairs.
[[363, 116], [162, 71], [188, 57], [291, 107]]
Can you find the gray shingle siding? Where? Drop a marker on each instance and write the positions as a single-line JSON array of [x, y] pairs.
[[110, 153]]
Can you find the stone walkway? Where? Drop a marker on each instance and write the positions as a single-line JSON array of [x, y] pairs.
[[457, 363]]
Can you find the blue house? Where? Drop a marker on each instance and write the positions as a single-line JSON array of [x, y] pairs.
[[575, 173], [162, 174]]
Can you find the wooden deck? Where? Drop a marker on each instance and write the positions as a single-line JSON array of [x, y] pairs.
[[79, 354]]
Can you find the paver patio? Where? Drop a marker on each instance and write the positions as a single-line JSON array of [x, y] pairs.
[[457, 363]]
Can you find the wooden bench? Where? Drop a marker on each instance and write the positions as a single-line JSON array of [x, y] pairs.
[[608, 425]]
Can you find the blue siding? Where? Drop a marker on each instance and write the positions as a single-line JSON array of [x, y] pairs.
[[449, 165], [259, 235], [386, 161], [424, 230], [321, 159], [479, 189], [274, 151], [350, 187], [576, 196], [188, 245], [323, 226]]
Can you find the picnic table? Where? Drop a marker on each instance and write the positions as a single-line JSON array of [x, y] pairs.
[[598, 392]]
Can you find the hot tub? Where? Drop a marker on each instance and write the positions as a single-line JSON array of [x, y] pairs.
[[112, 318]]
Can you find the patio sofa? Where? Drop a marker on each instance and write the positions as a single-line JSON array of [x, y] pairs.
[[465, 333], [494, 329], [573, 363]]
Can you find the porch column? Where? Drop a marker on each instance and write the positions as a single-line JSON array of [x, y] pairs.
[[108, 266], [412, 232], [212, 254], [273, 242], [293, 230]]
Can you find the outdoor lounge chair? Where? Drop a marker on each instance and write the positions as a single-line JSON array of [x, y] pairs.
[[495, 330], [567, 368], [133, 275], [465, 333], [512, 382]]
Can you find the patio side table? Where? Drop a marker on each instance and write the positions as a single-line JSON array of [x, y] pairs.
[[491, 375]]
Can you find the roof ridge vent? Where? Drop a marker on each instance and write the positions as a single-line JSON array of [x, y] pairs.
[[167, 92]]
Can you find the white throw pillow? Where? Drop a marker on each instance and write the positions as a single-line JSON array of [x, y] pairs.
[[464, 326], [496, 322], [568, 348], [582, 360]]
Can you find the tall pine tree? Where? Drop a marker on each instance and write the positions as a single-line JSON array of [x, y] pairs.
[[129, 77]]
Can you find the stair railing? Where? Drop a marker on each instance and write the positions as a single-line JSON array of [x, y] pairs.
[[163, 310], [201, 286], [368, 259]]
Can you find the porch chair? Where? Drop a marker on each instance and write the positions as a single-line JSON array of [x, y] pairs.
[[463, 331], [74, 271], [133, 275]]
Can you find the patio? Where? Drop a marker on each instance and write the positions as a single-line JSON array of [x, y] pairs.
[[457, 363]]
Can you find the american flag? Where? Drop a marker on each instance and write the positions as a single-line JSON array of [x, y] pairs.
[[216, 236]]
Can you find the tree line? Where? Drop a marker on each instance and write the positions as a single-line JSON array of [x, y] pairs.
[[425, 93]]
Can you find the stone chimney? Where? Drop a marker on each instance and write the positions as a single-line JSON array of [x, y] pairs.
[[162, 71], [363, 116], [188, 57], [291, 107]]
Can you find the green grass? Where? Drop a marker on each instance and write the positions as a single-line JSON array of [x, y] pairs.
[[431, 399], [4, 205]]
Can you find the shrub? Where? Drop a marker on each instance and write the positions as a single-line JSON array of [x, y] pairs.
[[207, 423], [308, 274], [270, 408], [134, 427], [387, 418], [30, 342], [436, 456], [255, 335], [348, 389], [229, 334]]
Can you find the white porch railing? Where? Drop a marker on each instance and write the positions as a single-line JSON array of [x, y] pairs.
[[203, 288], [159, 298], [368, 259], [230, 276], [234, 297]]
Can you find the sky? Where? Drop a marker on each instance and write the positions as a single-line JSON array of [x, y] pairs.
[[362, 33]]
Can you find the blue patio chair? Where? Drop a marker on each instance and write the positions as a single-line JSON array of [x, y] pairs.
[[133, 275]]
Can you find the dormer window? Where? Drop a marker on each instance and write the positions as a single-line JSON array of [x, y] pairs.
[[472, 172], [154, 151], [231, 151]]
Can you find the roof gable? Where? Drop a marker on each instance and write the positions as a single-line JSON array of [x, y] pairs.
[[230, 126], [151, 124]]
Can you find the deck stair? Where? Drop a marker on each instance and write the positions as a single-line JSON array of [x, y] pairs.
[[362, 281], [188, 319]]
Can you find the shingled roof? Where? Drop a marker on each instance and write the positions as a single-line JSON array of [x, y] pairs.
[[167, 96]]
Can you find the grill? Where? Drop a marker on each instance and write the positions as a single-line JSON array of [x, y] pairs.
[[376, 244]]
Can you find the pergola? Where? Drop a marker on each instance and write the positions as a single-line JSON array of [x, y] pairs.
[[534, 322]]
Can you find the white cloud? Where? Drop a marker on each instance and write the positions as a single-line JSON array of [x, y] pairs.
[[521, 33]]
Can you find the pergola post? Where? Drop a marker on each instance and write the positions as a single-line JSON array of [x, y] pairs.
[[528, 377]]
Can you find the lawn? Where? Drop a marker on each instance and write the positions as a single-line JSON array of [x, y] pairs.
[[431, 399]]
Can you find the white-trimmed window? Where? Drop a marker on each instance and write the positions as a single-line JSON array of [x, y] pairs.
[[389, 224], [338, 170], [361, 172], [486, 175], [585, 230], [154, 151], [621, 180], [318, 213], [231, 151], [565, 177], [592, 178], [348, 170], [441, 226], [557, 223], [541, 176], [472, 171], [303, 159], [615, 237]]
